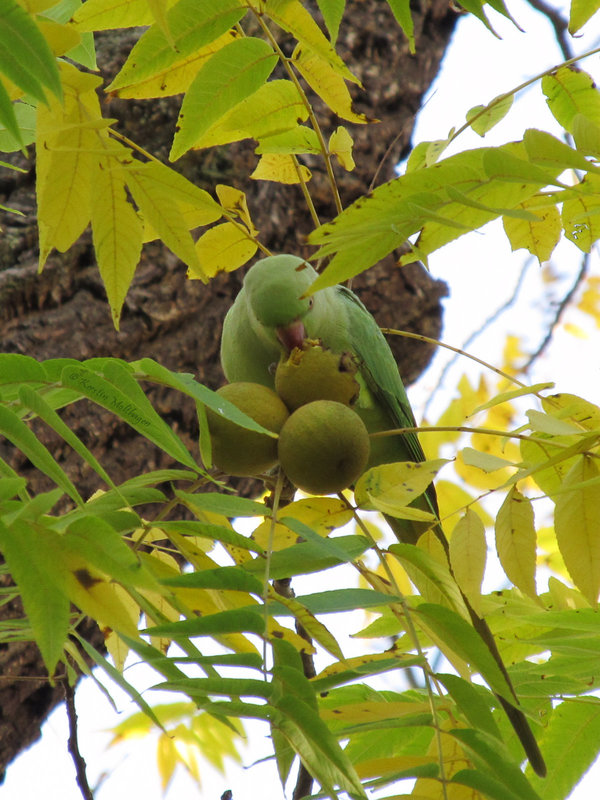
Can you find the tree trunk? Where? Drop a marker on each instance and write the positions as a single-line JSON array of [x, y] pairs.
[[64, 311]]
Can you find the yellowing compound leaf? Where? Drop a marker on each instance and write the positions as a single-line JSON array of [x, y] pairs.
[[175, 78], [223, 249], [100, 15], [581, 214], [581, 12], [577, 525], [234, 201], [340, 145], [295, 19], [232, 74], [570, 91], [280, 168], [300, 139], [150, 184], [68, 139], [274, 108], [390, 488], [117, 234], [516, 541], [484, 118], [540, 237], [468, 551], [327, 82], [193, 24]]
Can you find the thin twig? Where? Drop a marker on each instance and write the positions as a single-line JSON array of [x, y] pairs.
[[73, 744], [583, 269]]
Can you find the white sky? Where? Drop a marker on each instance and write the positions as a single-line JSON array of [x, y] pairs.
[[481, 272]]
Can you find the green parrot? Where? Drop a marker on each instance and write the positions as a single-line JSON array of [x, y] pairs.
[[270, 316]]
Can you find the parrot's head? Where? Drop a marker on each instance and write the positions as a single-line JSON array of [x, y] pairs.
[[274, 287]]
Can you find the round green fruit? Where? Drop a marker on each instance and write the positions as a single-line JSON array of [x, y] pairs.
[[323, 447], [313, 372], [239, 451]]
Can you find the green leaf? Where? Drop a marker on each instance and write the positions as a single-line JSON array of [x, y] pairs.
[[471, 701], [310, 737], [237, 620], [46, 606], [332, 11], [570, 91], [36, 403], [102, 547], [19, 434], [8, 118], [235, 687], [452, 631], [15, 368], [184, 382], [581, 12], [402, 13], [570, 745], [497, 759], [306, 557], [485, 785], [337, 600], [227, 504], [25, 57], [25, 115], [228, 578], [141, 418], [215, 533], [233, 73]]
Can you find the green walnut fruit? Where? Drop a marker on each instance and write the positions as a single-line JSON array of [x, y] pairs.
[[239, 451], [313, 372], [323, 447]]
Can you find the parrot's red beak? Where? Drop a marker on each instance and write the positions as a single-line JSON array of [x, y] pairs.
[[291, 335]]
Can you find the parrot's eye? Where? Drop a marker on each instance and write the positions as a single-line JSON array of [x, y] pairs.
[[311, 302]]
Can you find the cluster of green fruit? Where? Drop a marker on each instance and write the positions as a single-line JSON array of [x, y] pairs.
[[322, 444]]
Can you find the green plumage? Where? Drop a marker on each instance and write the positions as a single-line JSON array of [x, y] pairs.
[[271, 300]]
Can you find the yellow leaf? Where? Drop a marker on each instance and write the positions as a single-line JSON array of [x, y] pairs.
[[176, 78], [390, 488], [516, 541], [340, 145], [322, 514], [151, 187], [570, 406], [98, 597], [577, 524], [117, 235], [166, 759], [281, 169], [539, 238], [294, 18], [279, 537], [315, 629], [468, 552], [234, 201], [61, 38], [272, 109], [369, 712], [327, 82], [116, 647], [100, 15], [67, 144], [223, 249]]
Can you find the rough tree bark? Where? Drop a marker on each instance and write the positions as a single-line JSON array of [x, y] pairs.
[[64, 312]]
